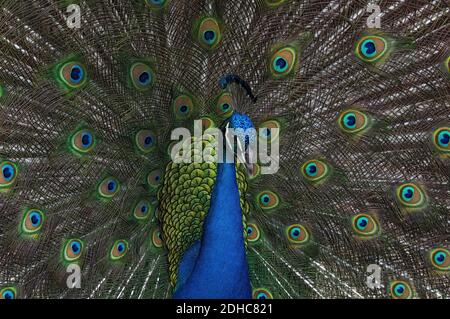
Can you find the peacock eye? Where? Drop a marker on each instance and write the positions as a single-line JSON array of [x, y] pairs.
[[8, 293], [224, 105], [183, 106], [371, 48], [253, 233], [154, 179], [268, 200], [83, 141], [262, 293], [8, 174], [315, 170], [119, 249], [73, 249], [283, 61], [32, 221], [108, 187], [145, 140], [440, 259], [297, 234], [365, 225], [209, 33], [141, 76], [410, 195], [353, 121], [157, 238], [142, 210], [73, 74], [156, 4], [269, 131], [441, 139], [401, 290]]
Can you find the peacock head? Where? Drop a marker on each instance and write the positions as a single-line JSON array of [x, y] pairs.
[[239, 127]]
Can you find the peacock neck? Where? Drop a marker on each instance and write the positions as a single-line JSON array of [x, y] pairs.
[[220, 269]]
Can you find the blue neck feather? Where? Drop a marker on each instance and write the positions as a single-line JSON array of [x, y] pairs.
[[216, 267]]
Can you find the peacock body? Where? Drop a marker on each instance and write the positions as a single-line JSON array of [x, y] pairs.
[[359, 114]]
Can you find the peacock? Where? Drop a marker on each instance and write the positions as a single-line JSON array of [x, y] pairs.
[[349, 99]]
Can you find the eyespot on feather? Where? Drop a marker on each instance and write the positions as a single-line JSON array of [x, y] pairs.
[[8, 174], [119, 249], [73, 249], [371, 48]]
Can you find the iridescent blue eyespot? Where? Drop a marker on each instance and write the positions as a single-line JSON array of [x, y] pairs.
[[253, 233], [82, 141], [8, 293], [142, 209], [368, 48], [209, 36], [156, 4], [371, 48], [268, 200], [76, 74], [145, 140], [401, 290], [112, 186], [315, 170], [209, 33], [297, 234], [444, 138], [280, 65], [350, 120], [362, 223], [262, 293], [365, 225], [411, 195], [108, 187], [86, 139], [441, 139], [440, 259], [408, 194], [119, 249], [142, 76], [35, 219], [311, 169], [353, 121], [73, 249], [32, 221], [8, 172], [154, 179], [73, 75], [76, 247], [283, 61]]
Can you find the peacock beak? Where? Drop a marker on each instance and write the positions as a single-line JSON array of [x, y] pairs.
[[241, 153]]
